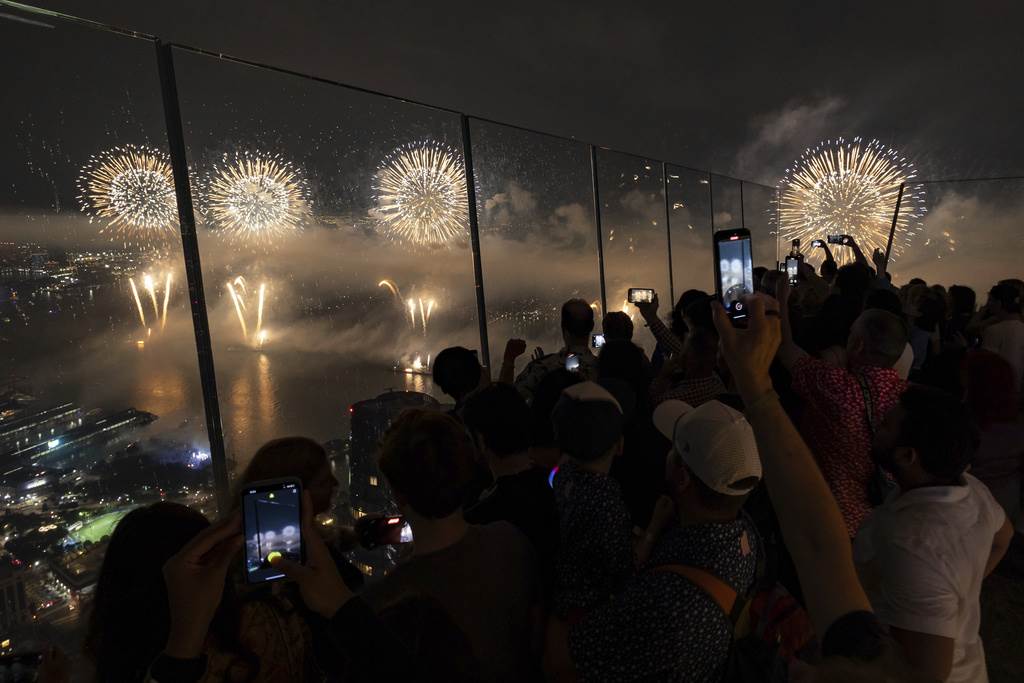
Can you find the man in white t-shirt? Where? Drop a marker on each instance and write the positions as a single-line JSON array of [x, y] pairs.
[[923, 554], [1003, 331]]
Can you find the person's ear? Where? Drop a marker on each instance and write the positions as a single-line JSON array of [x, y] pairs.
[[904, 457]]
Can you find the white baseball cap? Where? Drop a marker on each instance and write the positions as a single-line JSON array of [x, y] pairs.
[[715, 441]]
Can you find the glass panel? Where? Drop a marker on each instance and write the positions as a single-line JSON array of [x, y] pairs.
[[336, 256], [725, 192], [759, 207], [961, 226], [692, 253], [100, 408], [538, 241], [634, 231]]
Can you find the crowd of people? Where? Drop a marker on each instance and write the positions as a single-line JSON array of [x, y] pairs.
[[816, 496]]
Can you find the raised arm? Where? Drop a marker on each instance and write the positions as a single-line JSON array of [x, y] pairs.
[[789, 352], [857, 253], [810, 520], [672, 344]]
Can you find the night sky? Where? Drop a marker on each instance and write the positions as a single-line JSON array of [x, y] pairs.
[[738, 90]]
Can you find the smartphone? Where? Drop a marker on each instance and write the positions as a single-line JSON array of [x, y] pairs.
[[596, 341], [734, 270], [272, 519], [838, 239], [572, 363], [640, 295], [792, 269], [818, 244], [378, 531]]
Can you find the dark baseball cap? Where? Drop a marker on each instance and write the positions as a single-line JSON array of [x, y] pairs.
[[587, 421]]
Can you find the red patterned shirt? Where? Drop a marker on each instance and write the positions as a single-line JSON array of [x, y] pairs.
[[835, 426]]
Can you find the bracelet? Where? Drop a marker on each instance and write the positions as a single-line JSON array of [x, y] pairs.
[[759, 402]]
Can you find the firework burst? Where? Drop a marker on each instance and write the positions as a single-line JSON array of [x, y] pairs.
[[131, 189], [420, 191], [255, 198], [844, 187]]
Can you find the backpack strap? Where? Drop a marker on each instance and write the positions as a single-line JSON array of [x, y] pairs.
[[719, 591]]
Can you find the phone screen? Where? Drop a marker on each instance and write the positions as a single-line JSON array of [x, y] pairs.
[[792, 269], [272, 519], [735, 269], [572, 363], [597, 341], [640, 295]]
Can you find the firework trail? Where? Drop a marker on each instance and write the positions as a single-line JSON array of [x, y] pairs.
[[238, 310], [390, 284], [420, 192], [147, 283], [131, 189], [239, 293], [138, 302], [259, 309], [850, 188], [255, 198], [167, 298]]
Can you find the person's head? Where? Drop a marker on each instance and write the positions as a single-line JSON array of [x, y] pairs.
[[989, 387], [130, 620], [588, 423], [1004, 299], [1016, 284], [963, 301], [617, 326], [931, 309], [854, 280], [928, 438], [295, 456], [625, 361], [679, 326], [828, 270], [877, 338], [834, 321], [910, 297], [577, 322], [429, 461], [499, 420], [769, 281], [713, 464], [457, 371], [698, 315], [884, 300], [917, 281]]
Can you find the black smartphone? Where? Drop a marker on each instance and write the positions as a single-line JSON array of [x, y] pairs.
[[272, 519], [596, 341], [838, 239], [792, 269], [640, 295], [734, 270], [818, 244], [378, 531]]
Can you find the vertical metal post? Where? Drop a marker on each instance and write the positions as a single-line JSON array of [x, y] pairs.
[[597, 222], [743, 207], [474, 234], [193, 272], [711, 200], [895, 219], [668, 232]]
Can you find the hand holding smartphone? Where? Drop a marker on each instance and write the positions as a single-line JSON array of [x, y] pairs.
[[792, 270], [272, 523], [597, 341], [734, 270]]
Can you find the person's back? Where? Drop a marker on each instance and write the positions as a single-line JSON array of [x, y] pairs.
[[575, 355], [488, 584], [595, 554], [1005, 332], [923, 554], [841, 403], [499, 420], [484, 576]]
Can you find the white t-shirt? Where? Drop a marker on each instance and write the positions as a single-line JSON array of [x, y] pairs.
[[905, 363], [921, 557], [1007, 339]]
